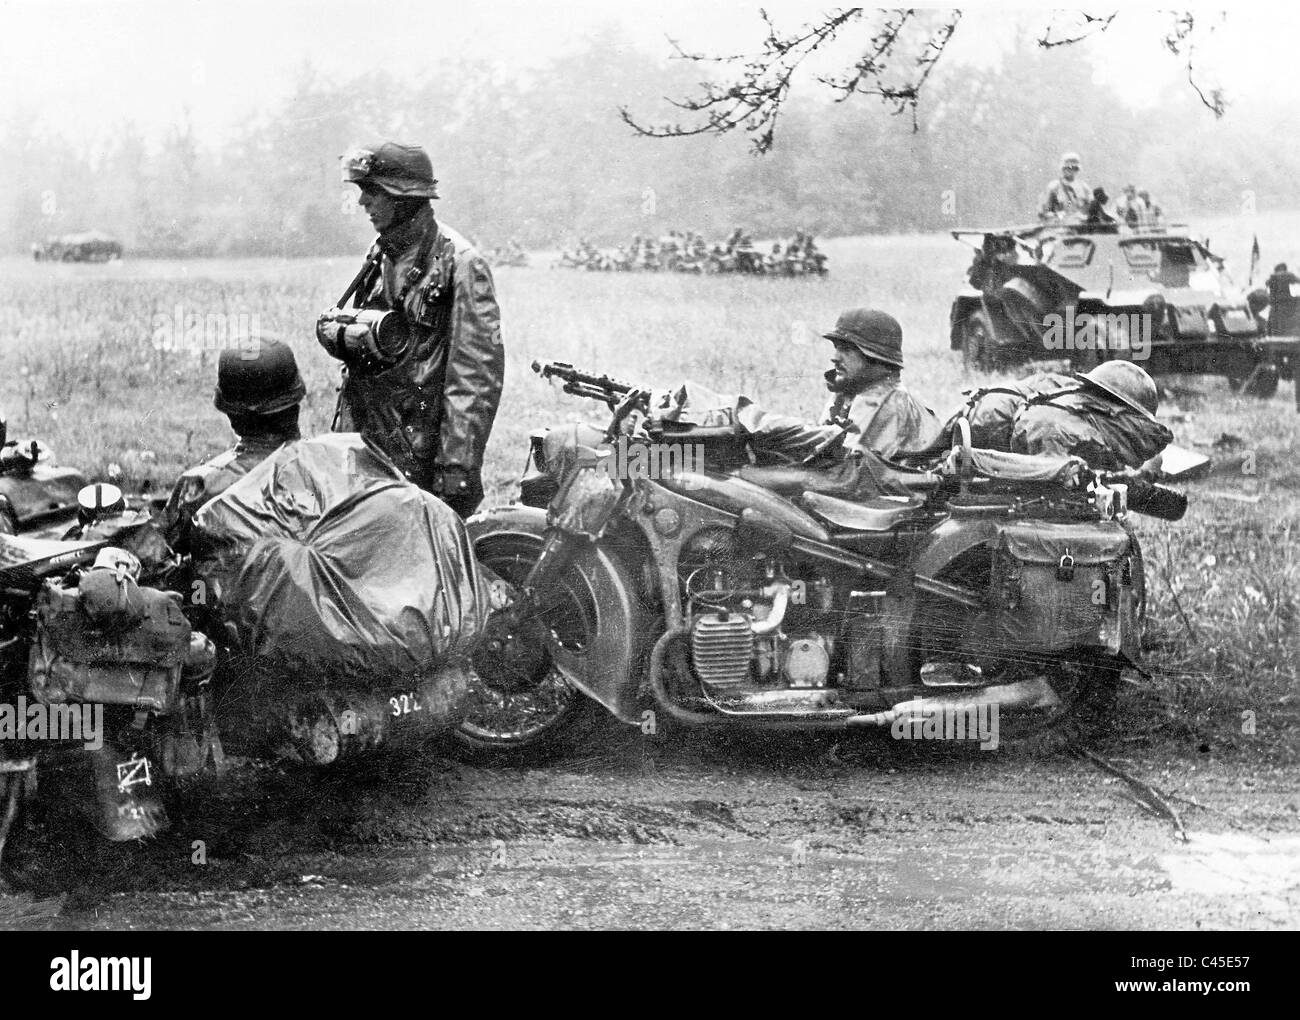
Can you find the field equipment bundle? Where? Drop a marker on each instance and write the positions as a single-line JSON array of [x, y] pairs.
[[992, 410], [108, 641], [1125, 437]]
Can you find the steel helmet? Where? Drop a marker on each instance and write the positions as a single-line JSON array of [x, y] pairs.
[[257, 374], [876, 334], [403, 171], [1126, 382]]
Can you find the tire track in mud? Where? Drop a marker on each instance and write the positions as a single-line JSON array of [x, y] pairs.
[[787, 840]]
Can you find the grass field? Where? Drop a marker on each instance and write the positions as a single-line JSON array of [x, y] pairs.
[[84, 373]]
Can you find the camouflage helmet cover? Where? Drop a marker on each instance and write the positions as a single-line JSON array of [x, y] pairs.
[[403, 171]]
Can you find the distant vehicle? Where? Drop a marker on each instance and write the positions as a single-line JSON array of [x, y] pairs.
[[1090, 293], [88, 247]]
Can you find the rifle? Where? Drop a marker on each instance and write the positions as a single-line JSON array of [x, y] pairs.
[[584, 384]]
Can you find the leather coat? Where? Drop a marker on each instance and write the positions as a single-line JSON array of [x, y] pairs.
[[431, 412]]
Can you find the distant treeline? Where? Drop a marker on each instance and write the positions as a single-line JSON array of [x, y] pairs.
[[545, 159]]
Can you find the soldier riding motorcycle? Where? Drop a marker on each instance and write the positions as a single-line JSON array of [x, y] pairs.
[[726, 593]]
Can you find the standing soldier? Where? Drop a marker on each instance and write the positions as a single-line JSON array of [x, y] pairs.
[[1283, 302], [1128, 205], [1067, 197], [424, 382]]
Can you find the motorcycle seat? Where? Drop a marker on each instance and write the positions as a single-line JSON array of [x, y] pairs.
[[880, 513]]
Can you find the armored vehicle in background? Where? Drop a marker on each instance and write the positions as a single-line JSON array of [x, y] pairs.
[[89, 247], [1088, 293]]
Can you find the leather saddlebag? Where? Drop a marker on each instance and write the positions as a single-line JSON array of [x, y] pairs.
[[110, 642]]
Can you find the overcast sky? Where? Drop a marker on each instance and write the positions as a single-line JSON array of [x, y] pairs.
[[84, 65]]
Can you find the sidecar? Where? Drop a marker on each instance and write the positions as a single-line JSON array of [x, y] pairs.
[[353, 598]]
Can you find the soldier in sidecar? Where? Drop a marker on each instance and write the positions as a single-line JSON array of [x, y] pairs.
[[871, 409]]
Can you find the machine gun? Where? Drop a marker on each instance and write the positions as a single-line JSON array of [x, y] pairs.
[[583, 384]]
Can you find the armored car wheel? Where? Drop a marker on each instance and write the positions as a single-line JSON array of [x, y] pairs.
[[1261, 382], [978, 345]]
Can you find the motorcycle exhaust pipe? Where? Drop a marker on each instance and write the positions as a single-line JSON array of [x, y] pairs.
[[660, 691], [1020, 696]]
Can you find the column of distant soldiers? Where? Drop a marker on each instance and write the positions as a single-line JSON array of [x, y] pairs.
[[681, 251]]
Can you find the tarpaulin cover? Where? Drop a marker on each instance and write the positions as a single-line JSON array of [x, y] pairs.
[[331, 562]]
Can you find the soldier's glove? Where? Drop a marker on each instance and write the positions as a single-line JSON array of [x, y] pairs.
[[452, 486], [450, 482]]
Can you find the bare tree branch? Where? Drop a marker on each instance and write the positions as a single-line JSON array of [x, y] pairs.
[[901, 52], [868, 72], [754, 100], [1092, 25], [1181, 43]]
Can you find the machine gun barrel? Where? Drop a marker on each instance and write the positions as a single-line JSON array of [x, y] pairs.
[[583, 384]]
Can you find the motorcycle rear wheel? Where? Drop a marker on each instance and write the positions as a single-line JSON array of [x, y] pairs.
[[1085, 683]]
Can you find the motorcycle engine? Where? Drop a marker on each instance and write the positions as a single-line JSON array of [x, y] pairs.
[[752, 625]]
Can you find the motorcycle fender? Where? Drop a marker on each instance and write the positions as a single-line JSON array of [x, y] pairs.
[[609, 670], [940, 548]]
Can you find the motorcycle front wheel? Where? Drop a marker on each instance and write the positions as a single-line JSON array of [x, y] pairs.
[[521, 706]]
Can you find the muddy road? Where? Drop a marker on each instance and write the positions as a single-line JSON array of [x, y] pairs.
[[774, 833]]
